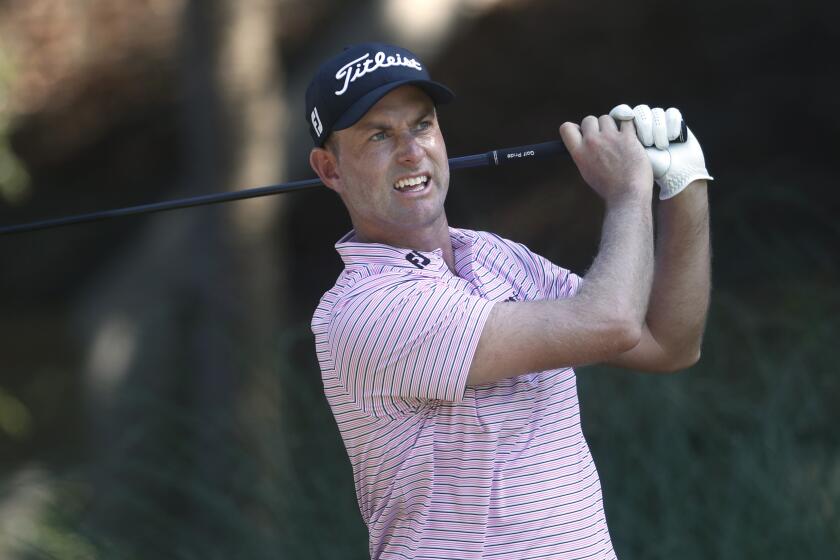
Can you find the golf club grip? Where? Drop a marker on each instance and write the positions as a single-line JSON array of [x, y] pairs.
[[530, 151], [551, 148]]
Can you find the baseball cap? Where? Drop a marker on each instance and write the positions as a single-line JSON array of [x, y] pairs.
[[346, 86]]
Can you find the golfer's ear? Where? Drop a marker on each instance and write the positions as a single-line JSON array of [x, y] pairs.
[[323, 162]]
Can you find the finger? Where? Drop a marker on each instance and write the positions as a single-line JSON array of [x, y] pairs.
[[627, 127], [570, 134], [660, 128], [589, 125], [673, 119], [644, 124], [607, 123], [622, 112]]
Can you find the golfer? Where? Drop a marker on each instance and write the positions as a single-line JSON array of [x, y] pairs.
[[447, 355]]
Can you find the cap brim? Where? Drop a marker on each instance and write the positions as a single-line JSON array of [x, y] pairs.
[[439, 93]]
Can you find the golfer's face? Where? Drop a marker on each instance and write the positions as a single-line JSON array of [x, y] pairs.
[[393, 166]]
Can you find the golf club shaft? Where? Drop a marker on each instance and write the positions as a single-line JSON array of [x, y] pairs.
[[491, 158]]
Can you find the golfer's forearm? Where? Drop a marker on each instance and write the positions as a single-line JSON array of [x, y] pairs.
[[618, 283], [682, 273], [605, 317], [600, 322]]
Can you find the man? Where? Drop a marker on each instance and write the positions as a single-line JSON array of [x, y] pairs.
[[447, 354]]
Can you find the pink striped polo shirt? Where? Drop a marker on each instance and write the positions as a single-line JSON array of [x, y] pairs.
[[443, 470]]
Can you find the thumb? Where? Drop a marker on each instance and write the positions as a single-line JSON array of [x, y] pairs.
[[622, 112], [660, 161]]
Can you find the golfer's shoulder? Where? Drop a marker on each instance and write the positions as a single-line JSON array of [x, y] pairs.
[[531, 273], [379, 286], [496, 251], [381, 283], [495, 242]]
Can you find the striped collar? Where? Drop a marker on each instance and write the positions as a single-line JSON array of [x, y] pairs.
[[359, 253]]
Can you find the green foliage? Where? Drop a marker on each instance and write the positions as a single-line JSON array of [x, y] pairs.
[[15, 418], [179, 486], [14, 181], [736, 458]]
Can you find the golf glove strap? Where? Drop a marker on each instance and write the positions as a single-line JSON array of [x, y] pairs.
[[676, 165]]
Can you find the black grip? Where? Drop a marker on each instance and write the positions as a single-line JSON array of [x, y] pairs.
[[551, 148], [531, 151]]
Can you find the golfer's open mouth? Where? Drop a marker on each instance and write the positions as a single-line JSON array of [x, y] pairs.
[[414, 184]]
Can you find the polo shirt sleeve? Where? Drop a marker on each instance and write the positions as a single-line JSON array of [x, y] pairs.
[[552, 281], [397, 345], [557, 282]]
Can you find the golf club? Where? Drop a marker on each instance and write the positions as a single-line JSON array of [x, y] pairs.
[[492, 158]]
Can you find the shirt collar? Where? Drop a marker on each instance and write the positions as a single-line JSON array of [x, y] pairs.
[[354, 252]]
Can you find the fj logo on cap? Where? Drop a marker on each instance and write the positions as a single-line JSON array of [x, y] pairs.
[[316, 122], [355, 69]]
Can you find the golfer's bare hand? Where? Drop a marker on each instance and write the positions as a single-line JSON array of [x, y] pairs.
[[611, 161]]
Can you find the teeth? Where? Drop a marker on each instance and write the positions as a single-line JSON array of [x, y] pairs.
[[410, 182]]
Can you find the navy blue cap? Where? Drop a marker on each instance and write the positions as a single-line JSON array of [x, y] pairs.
[[348, 85]]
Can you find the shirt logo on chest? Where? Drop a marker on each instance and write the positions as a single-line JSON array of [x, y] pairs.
[[514, 297], [417, 259]]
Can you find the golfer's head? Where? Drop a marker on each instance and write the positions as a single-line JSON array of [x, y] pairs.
[[372, 115], [346, 86]]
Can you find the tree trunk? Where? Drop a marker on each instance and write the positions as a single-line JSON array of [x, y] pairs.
[[190, 314]]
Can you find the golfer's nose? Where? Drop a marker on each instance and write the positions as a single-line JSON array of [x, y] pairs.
[[409, 150]]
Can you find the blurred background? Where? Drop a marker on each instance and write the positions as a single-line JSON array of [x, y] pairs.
[[159, 392]]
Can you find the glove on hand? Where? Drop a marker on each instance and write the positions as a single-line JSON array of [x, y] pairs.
[[675, 165]]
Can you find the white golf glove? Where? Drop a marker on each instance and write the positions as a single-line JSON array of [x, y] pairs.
[[675, 165]]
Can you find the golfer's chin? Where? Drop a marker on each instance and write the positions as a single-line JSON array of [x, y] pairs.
[[421, 211]]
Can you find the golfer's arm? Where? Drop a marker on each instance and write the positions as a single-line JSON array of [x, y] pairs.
[[679, 301], [603, 320]]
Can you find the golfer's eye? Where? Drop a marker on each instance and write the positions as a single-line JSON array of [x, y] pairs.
[[424, 125], [378, 137]]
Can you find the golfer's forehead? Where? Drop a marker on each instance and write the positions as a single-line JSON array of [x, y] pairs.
[[403, 103]]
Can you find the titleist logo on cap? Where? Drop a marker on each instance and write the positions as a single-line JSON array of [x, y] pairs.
[[365, 65], [334, 102]]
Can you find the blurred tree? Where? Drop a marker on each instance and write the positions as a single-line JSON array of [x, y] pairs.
[[190, 312], [246, 71]]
